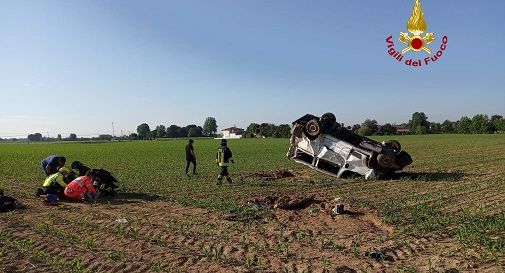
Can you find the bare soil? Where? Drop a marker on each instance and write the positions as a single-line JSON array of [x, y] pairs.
[[288, 233]]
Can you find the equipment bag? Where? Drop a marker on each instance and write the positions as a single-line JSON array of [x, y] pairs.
[[6, 203]]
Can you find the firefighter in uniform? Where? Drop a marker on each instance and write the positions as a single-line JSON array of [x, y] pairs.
[[223, 159]]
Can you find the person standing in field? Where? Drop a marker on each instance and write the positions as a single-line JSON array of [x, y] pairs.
[[190, 157], [223, 159], [51, 164]]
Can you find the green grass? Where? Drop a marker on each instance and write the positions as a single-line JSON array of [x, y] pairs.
[[456, 187]]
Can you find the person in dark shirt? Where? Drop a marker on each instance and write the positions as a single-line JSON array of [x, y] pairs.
[[223, 159], [190, 157], [51, 164]]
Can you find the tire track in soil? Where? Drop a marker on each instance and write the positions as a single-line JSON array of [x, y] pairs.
[[475, 202], [163, 210], [53, 247], [14, 260], [142, 249], [124, 243]]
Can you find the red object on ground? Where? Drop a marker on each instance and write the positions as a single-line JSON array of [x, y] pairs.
[[79, 187]]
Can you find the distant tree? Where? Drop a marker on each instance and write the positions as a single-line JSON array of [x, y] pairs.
[[495, 121], [182, 132], [419, 123], [195, 132], [355, 128], [267, 129], [421, 130], [435, 128], [72, 136], [190, 126], [252, 130], [387, 129], [210, 126], [161, 131], [152, 134], [105, 137], [133, 136], [464, 125], [173, 131], [282, 131], [59, 137], [35, 137], [480, 124], [368, 127], [447, 127], [143, 131], [499, 125]]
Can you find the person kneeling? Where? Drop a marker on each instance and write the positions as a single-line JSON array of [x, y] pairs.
[[55, 183], [81, 188]]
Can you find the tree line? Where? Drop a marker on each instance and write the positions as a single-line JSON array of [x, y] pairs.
[[209, 129], [419, 125], [267, 130]]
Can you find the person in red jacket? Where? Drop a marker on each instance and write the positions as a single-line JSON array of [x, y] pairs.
[[81, 188]]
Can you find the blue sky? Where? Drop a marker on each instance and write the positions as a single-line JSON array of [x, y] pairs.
[[76, 66]]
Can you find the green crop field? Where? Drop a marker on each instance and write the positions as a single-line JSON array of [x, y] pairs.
[[452, 199]]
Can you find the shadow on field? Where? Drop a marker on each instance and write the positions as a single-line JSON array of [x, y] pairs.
[[123, 198], [430, 176]]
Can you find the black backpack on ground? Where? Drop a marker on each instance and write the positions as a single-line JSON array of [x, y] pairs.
[[77, 165], [104, 181], [6, 203]]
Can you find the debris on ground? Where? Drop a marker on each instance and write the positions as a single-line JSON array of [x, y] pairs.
[[259, 204], [379, 255], [121, 221], [236, 217], [313, 211], [282, 202], [294, 203], [268, 176]]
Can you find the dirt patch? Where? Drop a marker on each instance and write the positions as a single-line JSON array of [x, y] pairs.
[[286, 202], [317, 211], [271, 175], [139, 233]]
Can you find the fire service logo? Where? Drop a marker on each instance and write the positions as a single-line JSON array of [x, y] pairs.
[[416, 40]]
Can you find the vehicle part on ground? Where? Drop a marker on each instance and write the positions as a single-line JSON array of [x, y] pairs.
[[326, 146]]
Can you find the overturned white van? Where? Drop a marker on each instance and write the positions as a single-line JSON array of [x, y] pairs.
[[326, 146]]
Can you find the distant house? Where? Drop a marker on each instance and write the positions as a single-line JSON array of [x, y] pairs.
[[233, 132], [401, 130]]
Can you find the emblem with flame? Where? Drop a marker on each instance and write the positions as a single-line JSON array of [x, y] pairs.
[[416, 26]]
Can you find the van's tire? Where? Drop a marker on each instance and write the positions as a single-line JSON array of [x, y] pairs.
[[328, 119], [395, 145], [386, 160], [313, 129]]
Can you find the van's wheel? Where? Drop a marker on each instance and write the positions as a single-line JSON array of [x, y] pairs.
[[395, 145], [386, 160], [313, 129], [328, 118]]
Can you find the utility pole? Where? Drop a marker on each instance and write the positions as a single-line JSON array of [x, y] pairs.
[[113, 129]]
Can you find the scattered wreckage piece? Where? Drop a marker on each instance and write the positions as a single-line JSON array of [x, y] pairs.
[[326, 146]]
